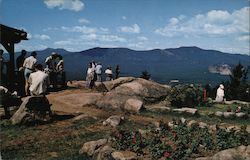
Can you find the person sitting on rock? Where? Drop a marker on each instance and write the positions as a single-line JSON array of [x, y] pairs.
[[8, 99], [38, 81], [109, 74], [220, 94]]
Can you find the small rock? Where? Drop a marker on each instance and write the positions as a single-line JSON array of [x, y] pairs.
[[133, 105], [158, 108], [90, 147], [183, 120], [104, 152], [213, 127], [203, 125], [233, 128], [124, 155], [113, 121], [53, 154], [191, 111], [218, 114], [190, 123], [240, 115], [157, 124], [228, 114]]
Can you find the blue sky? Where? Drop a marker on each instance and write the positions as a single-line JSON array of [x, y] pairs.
[[76, 25]]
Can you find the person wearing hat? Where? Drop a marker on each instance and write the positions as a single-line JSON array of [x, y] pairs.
[[220, 94], [51, 68], [109, 74]]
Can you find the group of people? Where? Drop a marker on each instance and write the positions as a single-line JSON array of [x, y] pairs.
[[94, 73], [37, 78]]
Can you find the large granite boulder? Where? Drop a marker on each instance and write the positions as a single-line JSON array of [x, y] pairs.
[[130, 88], [32, 107], [117, 82]]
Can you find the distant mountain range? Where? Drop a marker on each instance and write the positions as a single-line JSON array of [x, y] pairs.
[[187, 64]]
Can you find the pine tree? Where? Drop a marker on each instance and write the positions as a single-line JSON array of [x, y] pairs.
[[237, 85]]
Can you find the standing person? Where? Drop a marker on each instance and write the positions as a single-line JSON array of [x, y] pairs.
[[19, 64], [60, 70], [220, 94], [90, 76], [28, 65], [38, 81], [98, 71], [109, 74], [1, 66], [117, 71], [51, 67]]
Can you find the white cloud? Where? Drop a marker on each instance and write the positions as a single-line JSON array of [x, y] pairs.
[[142, 38], [213, 23], [130, 29], [244, 38], [138, 45], [124, 17], [42, 36], [84, 21], [103, 38], [74, 5], [62, 43], [81, 29]]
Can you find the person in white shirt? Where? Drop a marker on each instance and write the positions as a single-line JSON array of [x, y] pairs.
[[51, 68], [38, 81], [220, 94], [90, 76], [98, 71], [28, 66], [109, 74]]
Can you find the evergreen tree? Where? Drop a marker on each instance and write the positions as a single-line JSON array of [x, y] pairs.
[[237, 85], [145, 75]]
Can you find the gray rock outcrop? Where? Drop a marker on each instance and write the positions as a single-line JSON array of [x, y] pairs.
[[242, 152], [90, 147]]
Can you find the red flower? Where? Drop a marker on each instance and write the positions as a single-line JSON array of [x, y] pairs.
[[134, 140], [167, 154]]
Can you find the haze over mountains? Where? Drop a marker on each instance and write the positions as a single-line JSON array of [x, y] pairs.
[[187, 64]]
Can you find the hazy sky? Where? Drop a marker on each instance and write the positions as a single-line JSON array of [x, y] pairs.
[[77, 25]]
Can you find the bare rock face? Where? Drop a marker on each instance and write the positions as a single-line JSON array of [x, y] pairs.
[[230, 154], [126, 88], [92, 146], [148, 90], [76, 84], [117, 82], [113, 121], [124, 155], [133, 105], [33, 106]]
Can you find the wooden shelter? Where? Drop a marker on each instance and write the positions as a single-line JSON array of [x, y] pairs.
[[8, 38]]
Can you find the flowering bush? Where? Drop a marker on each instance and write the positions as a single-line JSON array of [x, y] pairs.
[[180, 142]]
